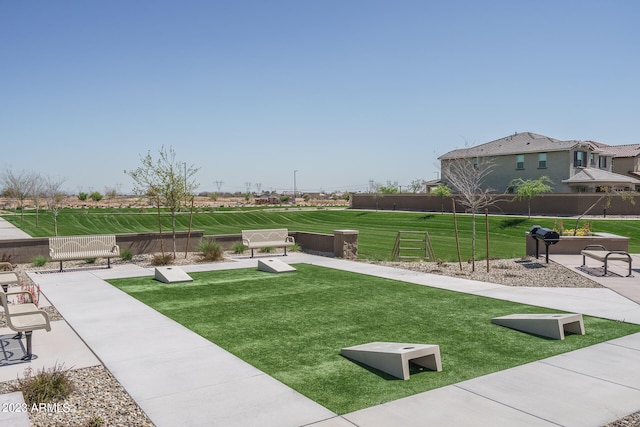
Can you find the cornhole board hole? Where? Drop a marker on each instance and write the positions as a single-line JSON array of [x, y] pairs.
[[393, 357], [172, 275], [546, 325], [272, 265]]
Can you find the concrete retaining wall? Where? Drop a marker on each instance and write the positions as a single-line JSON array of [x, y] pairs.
[[572, 245], [342, 244]]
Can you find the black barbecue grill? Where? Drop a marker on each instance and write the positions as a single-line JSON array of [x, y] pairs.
[[549, 237]]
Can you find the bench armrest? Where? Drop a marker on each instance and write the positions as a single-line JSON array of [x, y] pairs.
[[6, 266], [290, 239], [21, 293], [595, 246]]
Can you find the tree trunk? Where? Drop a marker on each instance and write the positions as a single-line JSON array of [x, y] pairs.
[[186, 248], [455, 227], [473, 240], [160, 230], [173, 230]]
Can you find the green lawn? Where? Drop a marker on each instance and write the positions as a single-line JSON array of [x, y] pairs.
[[377, 229], [293, 325]]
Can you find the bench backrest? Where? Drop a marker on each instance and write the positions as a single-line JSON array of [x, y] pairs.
[[73, 244], [261, 236], [24, 317]]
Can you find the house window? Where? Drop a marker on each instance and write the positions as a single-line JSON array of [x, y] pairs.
[[579, 159], [520, 161], [602, 162], [542, 160], [475, 163], [592, 159]]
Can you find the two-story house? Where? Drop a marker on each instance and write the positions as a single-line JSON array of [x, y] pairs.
[[573, 166], [626, 158]]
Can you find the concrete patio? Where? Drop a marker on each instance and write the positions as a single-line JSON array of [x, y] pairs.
[[194, 382]]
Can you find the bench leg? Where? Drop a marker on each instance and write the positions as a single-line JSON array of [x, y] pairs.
[[285, 251], [108, 262], [251, 252], [60, 266], [29, 355]]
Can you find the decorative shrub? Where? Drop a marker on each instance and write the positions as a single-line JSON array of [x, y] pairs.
[[95, 422], [39, 261], [159, 259], [267, 249], [211, 250], [238, 248], [126, 254], [46, 386], [90, 260], [295, 248]]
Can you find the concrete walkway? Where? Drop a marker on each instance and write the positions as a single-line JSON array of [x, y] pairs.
[[9, 232], [616, 281], [179, 378]]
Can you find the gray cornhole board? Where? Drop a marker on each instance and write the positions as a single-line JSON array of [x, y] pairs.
[[394, 357], [172, 275], [546, 325], [272, 265]]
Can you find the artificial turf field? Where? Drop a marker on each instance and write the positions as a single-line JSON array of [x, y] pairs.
[[293, 325]]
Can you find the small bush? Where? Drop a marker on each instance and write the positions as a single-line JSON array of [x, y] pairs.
[[295, 248], [126, 254], [46, 386], [238, 248], [39, 261], [90, 260], [211, 250], [267, 249], [159, 259], [94, 422]]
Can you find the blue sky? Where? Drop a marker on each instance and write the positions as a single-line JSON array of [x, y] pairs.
[[343, 91]]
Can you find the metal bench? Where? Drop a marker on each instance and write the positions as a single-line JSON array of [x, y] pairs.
[[274, 238], [603, 255], [8, 276], [25, 317], [69, 248]]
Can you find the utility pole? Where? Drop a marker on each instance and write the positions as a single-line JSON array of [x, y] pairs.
[[295, 190]]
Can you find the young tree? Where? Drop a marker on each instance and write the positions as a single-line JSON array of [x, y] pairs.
[[96, 196], [418, 186], [466, 176], [111, 194], [530, 188], [165, 181], [607, 194], [18, 185], [442, 191], [37, 193], [52, 191]]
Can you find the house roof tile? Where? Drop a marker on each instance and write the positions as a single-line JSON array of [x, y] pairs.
[[594, 175], [518, 143]]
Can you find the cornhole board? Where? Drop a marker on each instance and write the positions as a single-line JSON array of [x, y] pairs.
[[546, 325], [272, 265], [172, 275], [393, 357]]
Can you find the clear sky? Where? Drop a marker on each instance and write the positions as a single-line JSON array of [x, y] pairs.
[[341, 91]]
